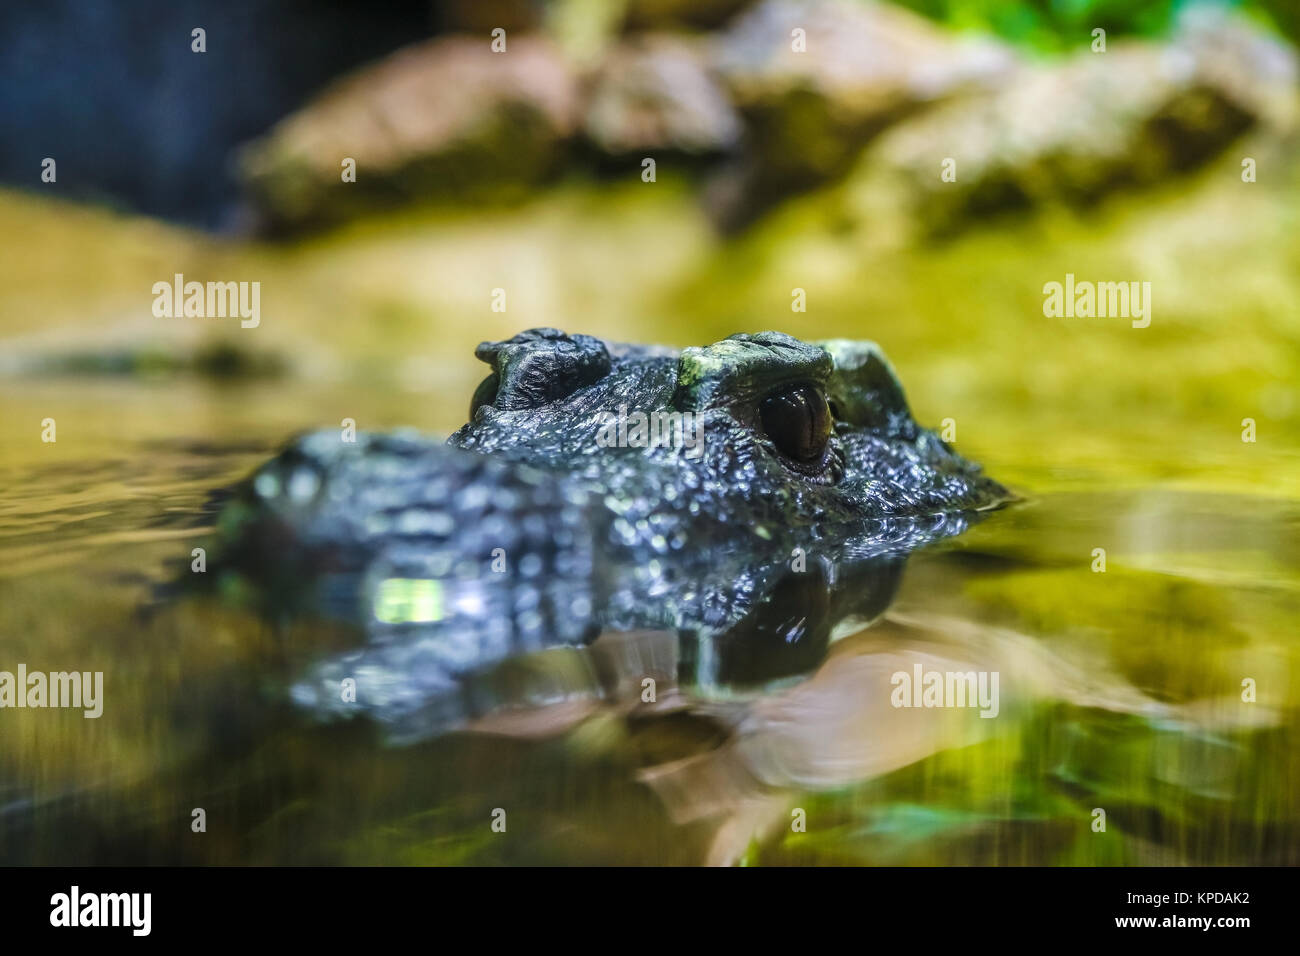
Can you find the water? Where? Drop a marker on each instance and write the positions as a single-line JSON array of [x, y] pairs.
[[1119, 691]]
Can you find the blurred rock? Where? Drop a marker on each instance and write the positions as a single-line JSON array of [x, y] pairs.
[[1077, 131], [656, 93], [658, 14], [1253, 68], [808, 114], [442, 119]]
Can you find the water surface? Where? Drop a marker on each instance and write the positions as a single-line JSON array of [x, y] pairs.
[[1119, 690]]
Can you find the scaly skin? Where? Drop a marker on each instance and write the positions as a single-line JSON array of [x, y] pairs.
[[524, 531]]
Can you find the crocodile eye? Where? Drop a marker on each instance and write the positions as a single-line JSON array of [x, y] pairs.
[[798, 421], [485, 394]]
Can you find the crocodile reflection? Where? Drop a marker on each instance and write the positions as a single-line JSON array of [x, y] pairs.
[[785, 621], [531, 529]]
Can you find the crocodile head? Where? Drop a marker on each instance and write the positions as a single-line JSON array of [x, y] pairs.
[[752, 497], [757, 432]]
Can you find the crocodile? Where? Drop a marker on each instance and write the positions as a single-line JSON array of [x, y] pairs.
[[758, 492]]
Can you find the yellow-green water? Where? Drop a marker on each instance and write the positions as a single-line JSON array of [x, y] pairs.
[[1124, 687]]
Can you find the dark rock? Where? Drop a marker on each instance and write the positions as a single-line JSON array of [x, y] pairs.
[[136, 119]]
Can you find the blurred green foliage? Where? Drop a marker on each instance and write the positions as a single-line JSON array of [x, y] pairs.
[[1056, 25]]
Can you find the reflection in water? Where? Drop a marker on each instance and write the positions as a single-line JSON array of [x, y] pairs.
[[420, 670], [1120, 691], [447, 562], [842, 726]]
